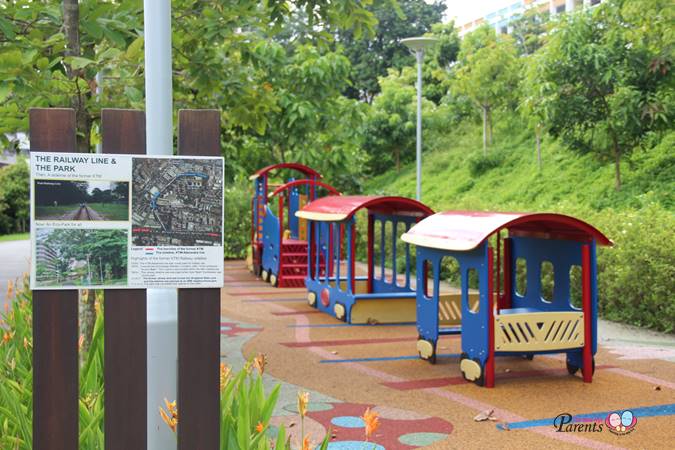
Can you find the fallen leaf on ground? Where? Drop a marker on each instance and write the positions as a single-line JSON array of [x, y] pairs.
[[485, 415], [657, 388], [334, 352]]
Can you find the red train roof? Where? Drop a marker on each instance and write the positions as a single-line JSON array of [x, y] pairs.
[[331, 190], [294, 166], [338, 208], [465, 230]]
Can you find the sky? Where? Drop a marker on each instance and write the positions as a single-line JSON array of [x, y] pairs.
[[463, 11]]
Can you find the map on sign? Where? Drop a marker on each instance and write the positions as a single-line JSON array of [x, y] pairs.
[[123, 221], [177, 202]]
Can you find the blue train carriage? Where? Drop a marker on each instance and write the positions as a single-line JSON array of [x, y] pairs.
[[262, 184], [504, 320], [335, 288]]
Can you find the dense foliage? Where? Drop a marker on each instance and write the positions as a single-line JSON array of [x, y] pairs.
[[296, 82], [14, 198], [246, 408]]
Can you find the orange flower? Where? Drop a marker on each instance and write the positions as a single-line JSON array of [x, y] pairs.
[[260, 427], [6, 337], [10, 292], [224, 375], [306, 442], [303, 399], [170, 416], [372, 422], [259, 363]]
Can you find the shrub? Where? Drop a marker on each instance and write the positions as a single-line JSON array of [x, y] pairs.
[[479, 164], [16, 373], [637, 276], [237, 221]]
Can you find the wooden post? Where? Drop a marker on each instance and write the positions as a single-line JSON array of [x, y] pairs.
[[125, 356], [55, 329], [199, 316]]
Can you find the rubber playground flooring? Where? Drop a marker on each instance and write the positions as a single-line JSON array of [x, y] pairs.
[[349, 368]]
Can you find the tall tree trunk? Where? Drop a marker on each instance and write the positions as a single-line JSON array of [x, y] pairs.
[[537, 136], [71, 28], [489, 116], [485, 130], [617, 164]]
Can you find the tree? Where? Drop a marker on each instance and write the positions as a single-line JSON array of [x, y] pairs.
[[605, 84], [371, 57], [14, 197], [534, 104], [488, 73], [529, 29]]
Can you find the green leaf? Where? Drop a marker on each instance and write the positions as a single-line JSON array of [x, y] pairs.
[[135, 48], [7, 28], [78, 62]]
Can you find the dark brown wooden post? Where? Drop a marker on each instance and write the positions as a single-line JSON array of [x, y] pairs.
[[198, 316], [125, 363], [55, 330]]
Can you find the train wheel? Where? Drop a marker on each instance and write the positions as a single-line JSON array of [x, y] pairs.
[[340, 312], [265, 275], [571, 368], [472, 370], [426, 350], [311, 299], [274, 281], [528, 356]]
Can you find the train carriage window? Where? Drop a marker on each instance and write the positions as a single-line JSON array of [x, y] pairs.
[[521, 277], [377, 248], [402, 248], [547, 280], [450, 292], [576, 286], [388, 251], [473, 280], [428, 268]]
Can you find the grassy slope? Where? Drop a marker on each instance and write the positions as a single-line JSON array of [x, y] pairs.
[[568, 182], [637, 275]]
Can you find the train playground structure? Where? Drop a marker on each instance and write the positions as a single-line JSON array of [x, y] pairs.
[[279, 241], [514, 291], [507, 319], [374, 298]]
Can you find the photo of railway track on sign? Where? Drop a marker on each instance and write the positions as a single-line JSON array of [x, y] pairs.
[[122, 221]]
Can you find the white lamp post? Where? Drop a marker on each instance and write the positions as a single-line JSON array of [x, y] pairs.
[[162, 304], [418, 45]]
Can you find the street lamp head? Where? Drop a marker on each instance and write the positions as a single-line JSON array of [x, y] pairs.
[[419, 43]]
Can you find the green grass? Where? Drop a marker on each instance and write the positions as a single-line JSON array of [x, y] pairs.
[[15, 237], [111, 211], [568, 182], [52, 212], [636, 277]]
